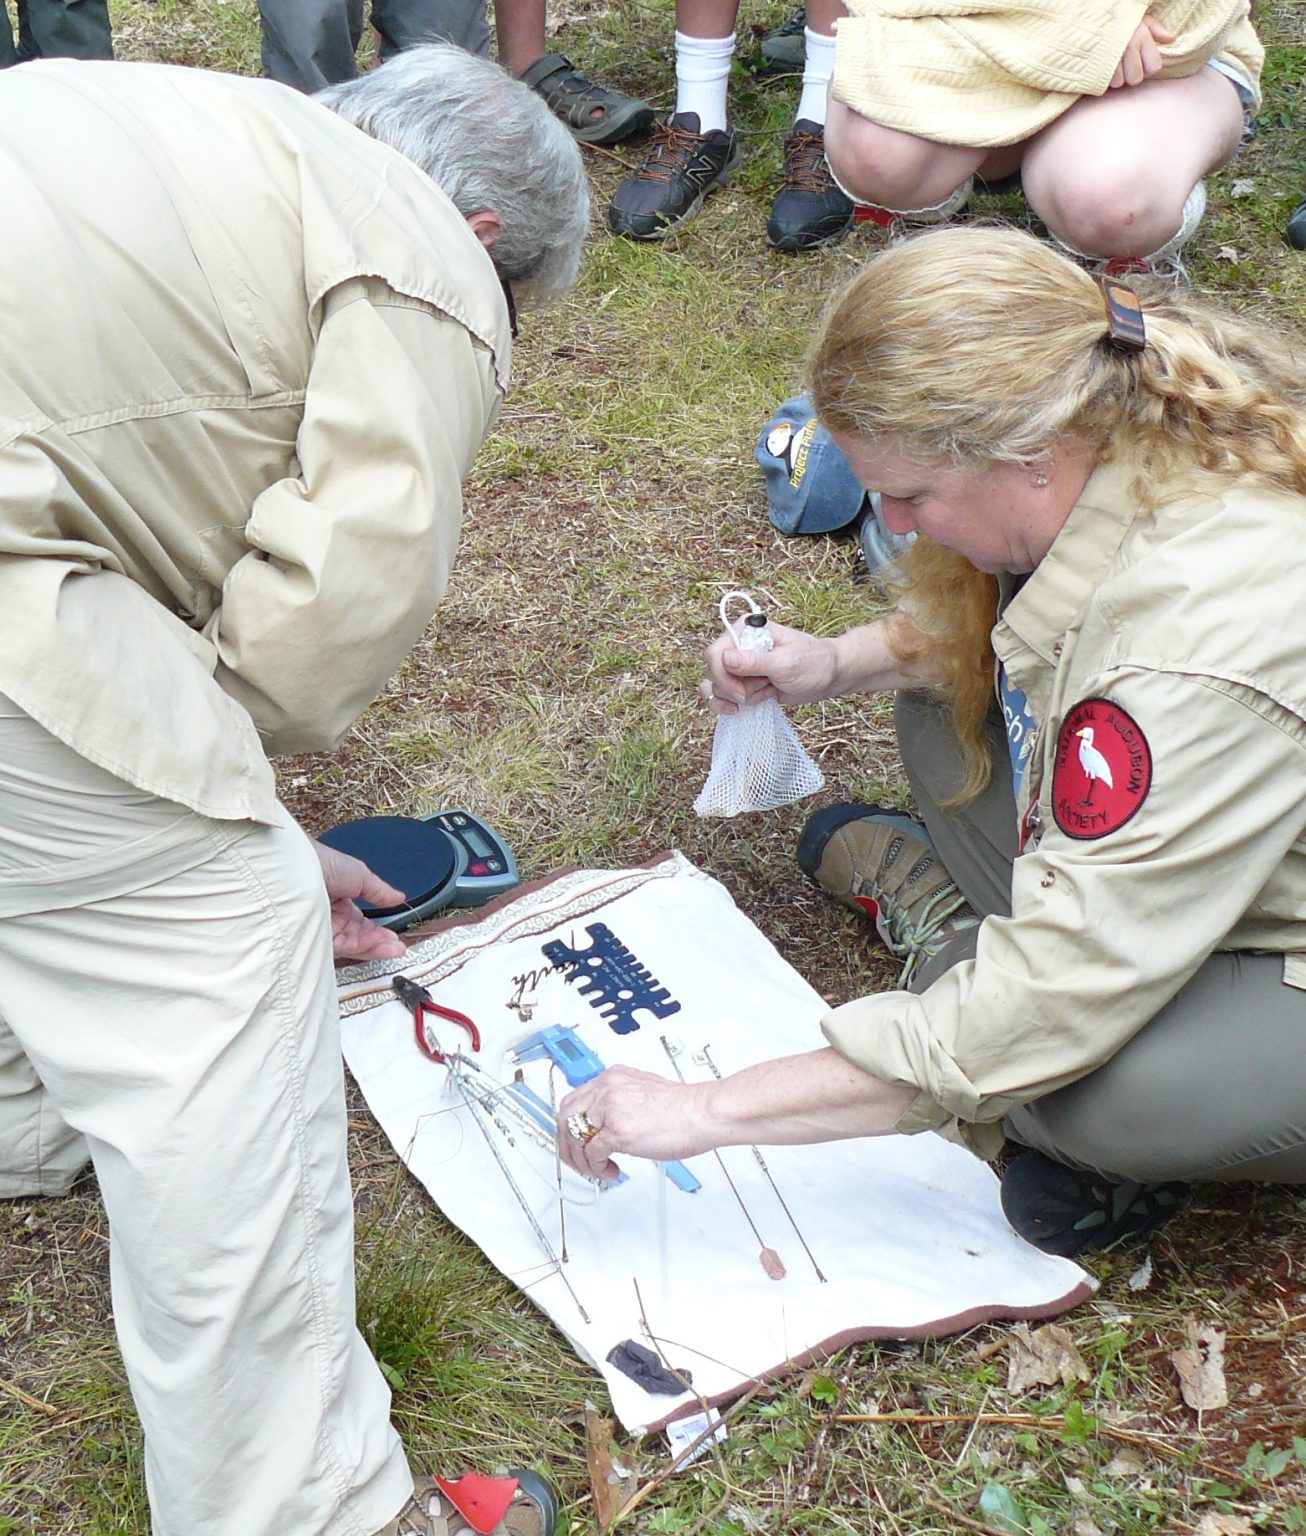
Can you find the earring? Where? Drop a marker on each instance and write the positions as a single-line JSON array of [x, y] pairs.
[[1040, 481]]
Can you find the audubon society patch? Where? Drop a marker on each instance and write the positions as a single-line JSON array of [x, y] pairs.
[[1102, 771]]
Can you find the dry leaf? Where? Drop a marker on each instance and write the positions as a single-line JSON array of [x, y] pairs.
[[1123, 1464], [1043, 1358], [611, 1485], [1085, 1527], [1142, 1276], [1244, 186], [1228, 253], [1215, 1524], [1201, 1367]]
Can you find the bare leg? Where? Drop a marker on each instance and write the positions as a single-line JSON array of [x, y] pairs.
[[1094, 176], [706, 18], [822, 15], [519, 31]]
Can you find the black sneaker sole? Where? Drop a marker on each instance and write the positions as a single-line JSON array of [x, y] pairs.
[[1063, 1211], [796, 242]]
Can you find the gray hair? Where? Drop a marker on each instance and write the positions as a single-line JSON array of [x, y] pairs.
[[488, 142]]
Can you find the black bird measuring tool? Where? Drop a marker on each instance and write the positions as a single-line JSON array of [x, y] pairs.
[[612, 979]]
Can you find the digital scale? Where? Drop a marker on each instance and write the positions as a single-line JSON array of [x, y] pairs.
[[447, 859]]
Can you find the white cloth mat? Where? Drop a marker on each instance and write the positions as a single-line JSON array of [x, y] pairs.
[[907, 1230]]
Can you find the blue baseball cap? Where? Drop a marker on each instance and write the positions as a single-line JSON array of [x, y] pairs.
[[810, 485]]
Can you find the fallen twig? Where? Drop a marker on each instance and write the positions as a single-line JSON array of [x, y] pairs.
[[1033, 1421], [34, 1403], [952, 1514]]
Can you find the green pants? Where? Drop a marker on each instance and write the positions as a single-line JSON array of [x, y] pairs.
[[57, 29], [1213, 1087]]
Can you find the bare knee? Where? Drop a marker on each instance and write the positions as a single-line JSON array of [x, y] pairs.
[[1106, 211], [894, 170]]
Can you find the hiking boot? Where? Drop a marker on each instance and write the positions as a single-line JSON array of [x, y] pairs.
[[1066, 1211], [810, 210], [680, 169], [784, 49], [594, 114], [881, 863], [521, 1504]]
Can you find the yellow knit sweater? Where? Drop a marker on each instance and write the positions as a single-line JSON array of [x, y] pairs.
[[987, 72]]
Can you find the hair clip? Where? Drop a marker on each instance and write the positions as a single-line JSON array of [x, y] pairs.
[[1124, 317]]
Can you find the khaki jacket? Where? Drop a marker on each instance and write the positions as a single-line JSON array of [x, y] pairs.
[[247, 356], [1184, 623], [986, 72]]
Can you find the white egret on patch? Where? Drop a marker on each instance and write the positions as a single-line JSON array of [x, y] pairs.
[[1095, 766]]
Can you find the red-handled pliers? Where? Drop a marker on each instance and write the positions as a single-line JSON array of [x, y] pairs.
[[421, 1002]]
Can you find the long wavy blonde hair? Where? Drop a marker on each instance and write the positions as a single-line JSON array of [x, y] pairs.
[[978, 346]]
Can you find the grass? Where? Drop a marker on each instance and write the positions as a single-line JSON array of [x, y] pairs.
[[616, 502]]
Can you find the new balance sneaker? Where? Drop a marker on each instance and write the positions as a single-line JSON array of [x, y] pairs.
[[810, 210], [681, 168], [521, 1504], [1062, 1210], [784, 48], [881, 863]]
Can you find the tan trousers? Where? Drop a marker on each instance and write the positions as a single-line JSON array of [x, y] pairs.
[[1213, 1087], [167, 1008]]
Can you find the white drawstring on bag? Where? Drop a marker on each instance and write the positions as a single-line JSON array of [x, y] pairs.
[[758, 762]]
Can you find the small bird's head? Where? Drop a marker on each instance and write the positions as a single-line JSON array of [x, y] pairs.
[[1086, 734]]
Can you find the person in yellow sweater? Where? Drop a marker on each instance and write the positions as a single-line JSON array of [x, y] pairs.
[[1111, 111]]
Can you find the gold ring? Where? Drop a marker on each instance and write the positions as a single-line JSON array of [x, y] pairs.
[[582, 1127]]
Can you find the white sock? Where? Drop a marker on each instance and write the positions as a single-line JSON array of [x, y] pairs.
[[816, 76], [702, 74]]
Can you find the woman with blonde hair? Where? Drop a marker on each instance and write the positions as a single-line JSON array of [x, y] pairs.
[[1110, 111], [1100, 665]]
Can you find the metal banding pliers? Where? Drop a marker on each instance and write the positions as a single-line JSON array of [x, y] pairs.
[[420, 1002]]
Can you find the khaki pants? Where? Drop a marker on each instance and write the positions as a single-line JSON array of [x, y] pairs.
[[168, 1010], [1213, 1087]]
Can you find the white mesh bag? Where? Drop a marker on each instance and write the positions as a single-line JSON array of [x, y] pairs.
[[758, 762]]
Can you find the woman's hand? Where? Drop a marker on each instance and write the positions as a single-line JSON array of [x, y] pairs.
[[635, 1112], [353, 936], [1142, 56], [802, 668], [799, 670]]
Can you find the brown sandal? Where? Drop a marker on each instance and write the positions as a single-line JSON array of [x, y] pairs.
[[594, 114]]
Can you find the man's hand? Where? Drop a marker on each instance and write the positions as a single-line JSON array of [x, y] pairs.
[[353, 936], [1142, 56]]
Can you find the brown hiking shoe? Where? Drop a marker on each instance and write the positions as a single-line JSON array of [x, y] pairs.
[[881, 863]]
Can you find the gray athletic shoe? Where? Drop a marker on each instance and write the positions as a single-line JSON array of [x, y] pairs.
[[784, 49]]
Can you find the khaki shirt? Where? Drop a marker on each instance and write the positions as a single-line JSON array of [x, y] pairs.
[[1186, 622], [986, 72], [247, 356]]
